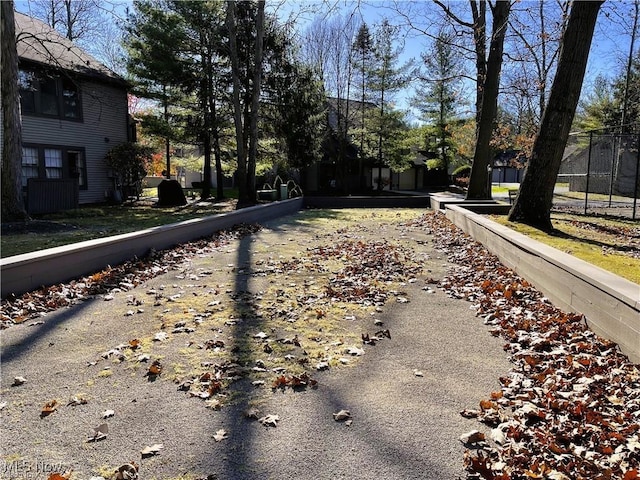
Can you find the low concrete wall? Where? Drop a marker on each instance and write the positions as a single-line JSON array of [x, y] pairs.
[[610, 303], [383, 201], [24, 273]]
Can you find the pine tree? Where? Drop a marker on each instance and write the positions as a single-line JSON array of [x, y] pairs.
[[387, 78], [438, 95]]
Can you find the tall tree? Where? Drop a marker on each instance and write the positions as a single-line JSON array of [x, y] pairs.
[[154, 42], [479, 187], [328, 48], [255, 99], [537, 28], [387, 78], [438, 96], [246, 28], [534, 200], [75, 19], [363, 57], [12, 203]]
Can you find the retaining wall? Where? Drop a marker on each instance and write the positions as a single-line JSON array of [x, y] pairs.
[[610, 303], [30, 271]]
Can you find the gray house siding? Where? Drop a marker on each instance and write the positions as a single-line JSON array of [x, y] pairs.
[[104, 125]]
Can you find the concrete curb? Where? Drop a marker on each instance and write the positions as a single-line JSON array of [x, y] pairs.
[[30, 271], [610, 303]]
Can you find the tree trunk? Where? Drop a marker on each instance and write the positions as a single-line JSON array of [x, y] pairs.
[[479, 14], [534, 200], [12, 202], [243, 195], [255, 101], [218, 159], [479, 181]]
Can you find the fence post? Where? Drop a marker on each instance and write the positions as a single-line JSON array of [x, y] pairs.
[[586, 187], [615, 156], [635, 187]]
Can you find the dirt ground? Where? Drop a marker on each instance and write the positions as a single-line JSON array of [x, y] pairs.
[[235, 365]]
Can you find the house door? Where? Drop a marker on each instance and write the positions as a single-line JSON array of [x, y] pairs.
[[76, 167]]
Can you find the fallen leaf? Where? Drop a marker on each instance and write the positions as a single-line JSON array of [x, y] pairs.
[[60, 476], [322, 366], [355, 351], [152, 450], [99, 433], [128, 471], [49, 408], [252, 413], [214, 404], [77, 400], [474, 436], [269, 420], [155, 368], [220, 435], [160, 337], [342, 415]]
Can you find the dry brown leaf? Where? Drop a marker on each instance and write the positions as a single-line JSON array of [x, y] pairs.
[[49, 408], [474, 436], [155, 368], [60, 476]]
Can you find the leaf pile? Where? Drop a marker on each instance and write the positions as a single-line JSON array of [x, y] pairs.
[[124, 277], [570, 408]]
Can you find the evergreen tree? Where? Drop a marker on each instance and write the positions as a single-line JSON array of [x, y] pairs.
[[155, 38], [387, 78], [362, 60], [438, 95]]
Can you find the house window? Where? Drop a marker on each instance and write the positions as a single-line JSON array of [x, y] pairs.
[[54, 162], [49, 96], [70, 99], [29, 164]]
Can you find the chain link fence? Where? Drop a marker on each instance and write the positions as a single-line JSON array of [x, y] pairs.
[[600, 173]]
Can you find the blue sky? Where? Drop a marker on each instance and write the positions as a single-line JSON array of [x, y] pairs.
[[610, 44]]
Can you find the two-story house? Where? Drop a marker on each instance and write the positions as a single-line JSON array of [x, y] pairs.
[[74, 109]]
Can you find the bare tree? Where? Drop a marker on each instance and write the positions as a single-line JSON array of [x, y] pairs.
[[327, 46], [534, 201], [12, 203], [91, 24], [479, 182], [533, 48]]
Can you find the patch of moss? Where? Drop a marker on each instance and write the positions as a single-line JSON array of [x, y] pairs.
[[595, 246]]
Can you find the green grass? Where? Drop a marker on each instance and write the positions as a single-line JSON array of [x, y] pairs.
[[88, 223], [591, 239]]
